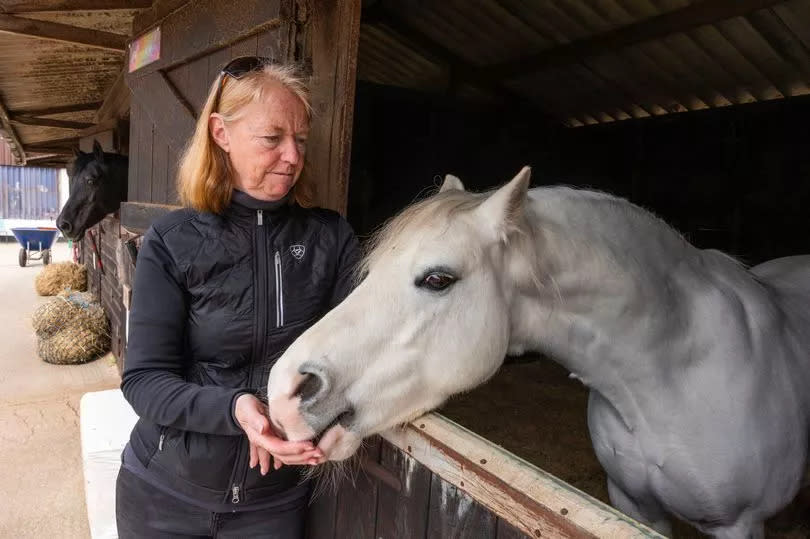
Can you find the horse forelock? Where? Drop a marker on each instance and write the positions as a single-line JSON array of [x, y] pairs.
[[78, 164], [413, 221]]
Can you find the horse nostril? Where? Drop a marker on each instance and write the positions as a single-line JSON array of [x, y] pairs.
[[314, 383], [310, 387], [64, 226]]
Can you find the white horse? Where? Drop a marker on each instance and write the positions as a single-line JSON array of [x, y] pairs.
[[699, 369]]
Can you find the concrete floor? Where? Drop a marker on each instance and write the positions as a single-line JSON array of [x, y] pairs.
[[41, 482]]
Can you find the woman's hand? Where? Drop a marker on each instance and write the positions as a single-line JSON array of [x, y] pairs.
[[251, 415]]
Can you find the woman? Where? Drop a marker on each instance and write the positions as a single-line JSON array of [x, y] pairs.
[[222, 288]]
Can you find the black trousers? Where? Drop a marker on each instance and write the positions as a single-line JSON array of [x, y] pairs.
[[144, 512]]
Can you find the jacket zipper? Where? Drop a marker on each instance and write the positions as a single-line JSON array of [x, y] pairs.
[[279, 292], [259, 339]]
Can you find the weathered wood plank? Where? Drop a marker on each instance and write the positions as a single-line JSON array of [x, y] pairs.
[[198, 84], [137, 217], [357, 501], [200, 27], [269, 43], [528, 498], [334, 36], [160, 169], [144, 180], [402, 513], [32, 6], [171, 114], [507, 531], [136, 117], [244, 47], [455, 515], [321, 517], [65, 33]]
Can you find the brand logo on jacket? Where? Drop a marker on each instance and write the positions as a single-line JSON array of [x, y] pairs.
[[298, 251]]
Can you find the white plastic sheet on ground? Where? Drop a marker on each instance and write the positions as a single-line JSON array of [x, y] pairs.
[[106, 422]]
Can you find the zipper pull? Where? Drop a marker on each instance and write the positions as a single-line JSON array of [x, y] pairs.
[[235, 489], [160, 443], [259, 216]]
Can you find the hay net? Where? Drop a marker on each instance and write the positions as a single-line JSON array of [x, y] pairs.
[[71, 328]]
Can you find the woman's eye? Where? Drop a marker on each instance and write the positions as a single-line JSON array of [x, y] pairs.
[[437, 281], [273, 139]]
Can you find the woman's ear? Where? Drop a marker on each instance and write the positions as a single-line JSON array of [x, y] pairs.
[[216, 125]]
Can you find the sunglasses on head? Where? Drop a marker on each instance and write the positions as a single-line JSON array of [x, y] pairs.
[[239, 67]]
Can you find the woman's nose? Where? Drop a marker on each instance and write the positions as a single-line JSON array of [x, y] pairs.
[[290, 152]]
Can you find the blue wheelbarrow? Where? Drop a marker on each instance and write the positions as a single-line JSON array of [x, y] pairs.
[[35, 243]]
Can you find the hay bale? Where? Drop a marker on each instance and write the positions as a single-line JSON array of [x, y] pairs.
[[71, 328], [55, 278]]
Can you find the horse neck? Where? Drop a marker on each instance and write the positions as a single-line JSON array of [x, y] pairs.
[[614, 286]]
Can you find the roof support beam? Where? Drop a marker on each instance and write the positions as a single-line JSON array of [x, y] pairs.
[[460, 71], [33, 6], [49, 122], [14, 143], [62, 32], [67, 141], [45, 111], [679, 20]]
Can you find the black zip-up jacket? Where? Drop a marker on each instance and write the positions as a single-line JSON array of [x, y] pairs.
[[217, 299]]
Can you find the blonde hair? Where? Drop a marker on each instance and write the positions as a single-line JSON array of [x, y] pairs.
[[204, 178]]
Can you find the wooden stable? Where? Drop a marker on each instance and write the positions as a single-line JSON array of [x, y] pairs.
[[589, 93]]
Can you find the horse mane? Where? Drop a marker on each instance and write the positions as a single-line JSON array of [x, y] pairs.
[[413, 217]]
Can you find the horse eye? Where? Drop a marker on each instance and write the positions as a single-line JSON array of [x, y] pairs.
[[437, 281], [91, 181]]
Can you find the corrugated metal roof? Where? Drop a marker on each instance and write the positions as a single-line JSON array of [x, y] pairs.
[[29, 192], [752, 55]]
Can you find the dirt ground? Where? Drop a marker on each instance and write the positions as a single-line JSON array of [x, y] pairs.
[[41, 480], [535, 411]]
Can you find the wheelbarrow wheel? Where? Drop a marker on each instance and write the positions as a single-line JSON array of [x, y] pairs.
[[46, 257], [23, 257]]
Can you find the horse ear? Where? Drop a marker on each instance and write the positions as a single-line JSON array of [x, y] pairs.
[[98, 152], [505, 206], [76, 151], [451, 182]]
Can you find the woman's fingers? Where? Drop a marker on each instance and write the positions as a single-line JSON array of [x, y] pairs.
[[264, 460], [254, 455], [303, 458], [277, 446]]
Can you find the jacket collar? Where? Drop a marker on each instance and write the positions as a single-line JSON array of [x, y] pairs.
[[243, 207]]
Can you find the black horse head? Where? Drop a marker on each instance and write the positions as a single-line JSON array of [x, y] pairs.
[[98, 185]]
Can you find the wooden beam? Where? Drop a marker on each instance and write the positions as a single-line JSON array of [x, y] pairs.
[[535, 502], [68, 141], [48, 157], [49, 122], [159, 10], [138, 216], [33, 6], [58, 150], [62, 32], [45, 111], [15, 144], [334, 36], [116, 102], [673, 22], [459, 69]]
